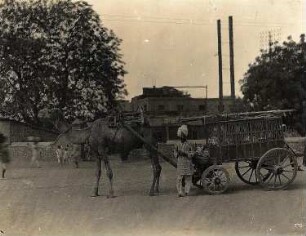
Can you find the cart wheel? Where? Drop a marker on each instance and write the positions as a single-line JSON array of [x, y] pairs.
[[215, 179], [246, 171], [280, 165]]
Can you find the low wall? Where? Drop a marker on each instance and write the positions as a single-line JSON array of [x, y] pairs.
[[23, 151], [138, 154]]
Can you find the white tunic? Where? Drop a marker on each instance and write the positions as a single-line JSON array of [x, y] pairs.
[[184, 163]]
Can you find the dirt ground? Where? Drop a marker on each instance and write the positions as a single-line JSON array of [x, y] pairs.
[[55, 200]]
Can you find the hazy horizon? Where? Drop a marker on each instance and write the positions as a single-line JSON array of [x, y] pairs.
[[174, 42]]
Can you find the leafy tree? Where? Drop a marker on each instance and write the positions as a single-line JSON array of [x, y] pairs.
[[273, 80], [56, 55]]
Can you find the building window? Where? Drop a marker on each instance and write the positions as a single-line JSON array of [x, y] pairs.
[[202, 107], [161, 107], [180, 107]]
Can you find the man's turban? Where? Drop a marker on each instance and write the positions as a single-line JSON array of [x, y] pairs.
[[182, 130]]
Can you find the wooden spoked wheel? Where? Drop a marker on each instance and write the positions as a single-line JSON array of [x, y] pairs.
[[215, 179], [246, 171], [280, 165]]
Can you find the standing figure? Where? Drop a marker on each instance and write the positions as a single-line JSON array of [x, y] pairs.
[[66, 153], [35, 154], [76, 154], [4, 155], [59, 154], [184, 153], [213, 139], [87, 152], [304, 157]]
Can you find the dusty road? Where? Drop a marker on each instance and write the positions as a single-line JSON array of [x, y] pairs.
[[55, 201]]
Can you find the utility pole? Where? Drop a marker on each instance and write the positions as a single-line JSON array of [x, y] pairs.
[[303, 91], [270, 46], [231, 51], [221, 105], [267, 38]]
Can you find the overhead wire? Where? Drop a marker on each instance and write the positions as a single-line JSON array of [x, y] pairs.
[[184, 21]]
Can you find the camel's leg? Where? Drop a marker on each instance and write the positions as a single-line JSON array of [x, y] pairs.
[[124, 155], [3, 169], [75, 156], [109, 174], [76, 161], [156, 173], [124, 151], [76, 164], [88, 154], [98, 176]]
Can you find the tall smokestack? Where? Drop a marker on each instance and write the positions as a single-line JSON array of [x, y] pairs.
[[221, 107], [231, 51]]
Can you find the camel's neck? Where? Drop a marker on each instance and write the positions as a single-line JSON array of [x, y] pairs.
[[78, 136], [61, 126]]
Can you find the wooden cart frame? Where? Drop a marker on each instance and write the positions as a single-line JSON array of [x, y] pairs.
[[257, 147]]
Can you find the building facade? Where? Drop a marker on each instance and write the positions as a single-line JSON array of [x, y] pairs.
[[164, 105], [170, 105], [172, 102]]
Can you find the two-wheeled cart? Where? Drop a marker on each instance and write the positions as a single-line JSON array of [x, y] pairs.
[[257, 147]]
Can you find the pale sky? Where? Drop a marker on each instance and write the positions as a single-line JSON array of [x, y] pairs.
[[174, 42]]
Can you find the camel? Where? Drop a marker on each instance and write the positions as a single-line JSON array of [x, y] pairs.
[[105, 140]]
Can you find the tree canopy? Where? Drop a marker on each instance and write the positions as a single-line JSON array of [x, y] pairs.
[[57, 55], [274, 80]]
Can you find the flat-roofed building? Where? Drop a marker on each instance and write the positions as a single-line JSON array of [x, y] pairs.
[[173, 102]]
